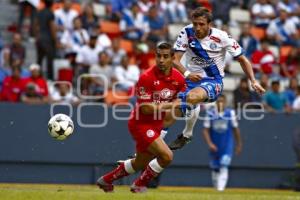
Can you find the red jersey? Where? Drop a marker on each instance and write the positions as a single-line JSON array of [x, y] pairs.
[[263, 60], [41, 85], [155, 87], [12, 89]]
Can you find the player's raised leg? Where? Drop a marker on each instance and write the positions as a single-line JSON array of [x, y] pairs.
[[191, 107]]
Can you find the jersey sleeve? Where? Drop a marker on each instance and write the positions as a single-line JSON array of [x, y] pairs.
[[234, 121], [232, 46], [143, 90], [181, 43]]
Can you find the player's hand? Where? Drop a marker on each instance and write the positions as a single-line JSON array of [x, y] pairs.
[[257, 87], [213, 148], [194, 77], [238, 149], [177, 103]]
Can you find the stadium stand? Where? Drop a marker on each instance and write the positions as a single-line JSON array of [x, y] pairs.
[[140, 52]]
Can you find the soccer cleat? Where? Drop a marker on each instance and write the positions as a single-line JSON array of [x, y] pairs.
[[138, 189], [106, 187], [179, 142]]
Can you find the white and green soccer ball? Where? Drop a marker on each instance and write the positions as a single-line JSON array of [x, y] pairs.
[[60, 126]]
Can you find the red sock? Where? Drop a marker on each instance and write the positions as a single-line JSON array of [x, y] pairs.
[[116, 174], [147, 175]]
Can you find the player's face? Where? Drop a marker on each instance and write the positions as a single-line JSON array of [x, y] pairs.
[[221, 103], [201, 27], [164, 59]]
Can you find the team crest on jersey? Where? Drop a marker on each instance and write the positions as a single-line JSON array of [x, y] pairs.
[[213, 46], [150, 133], [166, 93], [156, 82]]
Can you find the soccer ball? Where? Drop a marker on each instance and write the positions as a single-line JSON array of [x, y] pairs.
[[60, 126]]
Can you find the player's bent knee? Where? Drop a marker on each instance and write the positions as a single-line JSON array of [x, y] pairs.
[[196, 96], [194, 99]]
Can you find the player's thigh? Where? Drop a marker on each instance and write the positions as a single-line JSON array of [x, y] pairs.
[[171, 117], [196, 96], [144, 135], [160, 149]]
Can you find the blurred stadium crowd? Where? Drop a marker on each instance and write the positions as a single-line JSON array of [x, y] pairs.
[[105, 44]]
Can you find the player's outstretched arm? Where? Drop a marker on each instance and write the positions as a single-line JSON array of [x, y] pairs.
[[187, 74], [247, 68]]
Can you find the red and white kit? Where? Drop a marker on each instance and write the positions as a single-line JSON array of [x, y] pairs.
[[153, 87]]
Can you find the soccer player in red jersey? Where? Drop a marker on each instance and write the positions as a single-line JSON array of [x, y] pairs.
[[156, 93]]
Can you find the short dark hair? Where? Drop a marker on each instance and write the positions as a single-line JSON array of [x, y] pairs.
[[165, 45], [202, 12], [265, 40], [16, 68], [48, 3], [102, 52], [275, 82]]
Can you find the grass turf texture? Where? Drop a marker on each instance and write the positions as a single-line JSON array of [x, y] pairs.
[[84, 192]]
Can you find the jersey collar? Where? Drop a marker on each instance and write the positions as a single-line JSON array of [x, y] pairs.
[[161, 75]]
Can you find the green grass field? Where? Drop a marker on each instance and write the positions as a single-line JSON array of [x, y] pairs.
[[80, 192]]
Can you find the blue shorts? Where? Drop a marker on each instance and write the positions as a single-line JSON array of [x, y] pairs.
[[218, 161], [212, 86]]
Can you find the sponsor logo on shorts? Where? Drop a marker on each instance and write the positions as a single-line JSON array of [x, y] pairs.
[[150, 133]]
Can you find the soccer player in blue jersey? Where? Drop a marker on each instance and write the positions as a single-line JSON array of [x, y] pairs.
[[203, 49], [222, 135]]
